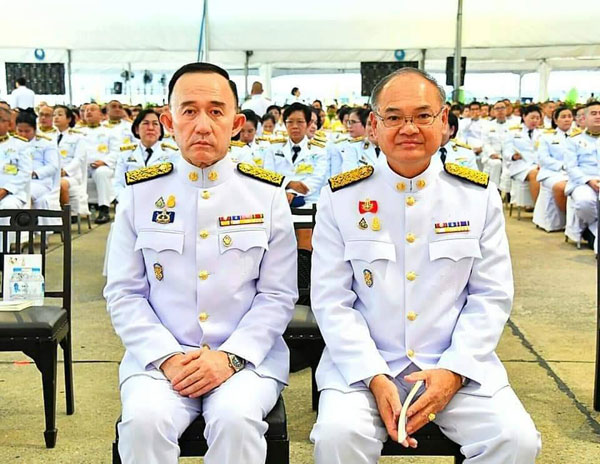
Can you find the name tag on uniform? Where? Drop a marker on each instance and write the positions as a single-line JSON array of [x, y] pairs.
[[131, 159], [64, 153], [11, 169], [305, 169], [102, 148], [258, 218], [451, 227], [279, 153]]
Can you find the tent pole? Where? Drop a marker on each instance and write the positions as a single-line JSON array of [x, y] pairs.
[[423, 56], [129, 82], [249, 53], [520, 85], [457, 52], [69, 77], [202, 40], [544, 73]]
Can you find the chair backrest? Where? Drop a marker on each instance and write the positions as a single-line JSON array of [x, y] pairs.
[[304, 265], [27, 222], [312, 211]]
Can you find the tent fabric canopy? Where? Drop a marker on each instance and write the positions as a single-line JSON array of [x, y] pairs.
[[497, 35]]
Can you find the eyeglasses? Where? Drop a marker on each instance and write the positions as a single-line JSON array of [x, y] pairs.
[[294, 122], [351, 122], [419, 119]]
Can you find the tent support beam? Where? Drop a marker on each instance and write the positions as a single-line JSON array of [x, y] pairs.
[[249, 53], [458, 52], [69, 74], [423, 57]]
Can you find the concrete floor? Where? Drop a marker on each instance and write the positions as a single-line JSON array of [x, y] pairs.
[[548, 349]]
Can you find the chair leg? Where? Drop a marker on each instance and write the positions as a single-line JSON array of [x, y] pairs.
[[68, 356], [315, 390], [278, 452], [89, 221], [518, 213], [79, 224], [116, 458], [46, 359], [510, 206]]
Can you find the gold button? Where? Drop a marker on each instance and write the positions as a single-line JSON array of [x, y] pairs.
[[205, 194], [421, 183], [410, 353], [204, 345], [410, 201], [213, 175], [204, 234], [193, 176], [203, 275], [411, 316], [410, 238], [401, 186], [203, 317], [411, 276]]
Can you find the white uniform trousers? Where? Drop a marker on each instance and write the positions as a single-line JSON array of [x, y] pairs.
[[584, 200], [493, 167], [103, 178], [155, 416], [494, 430], [38, 190], [9, 202]]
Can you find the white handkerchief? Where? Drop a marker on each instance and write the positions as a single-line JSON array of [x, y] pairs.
[[402, 419]]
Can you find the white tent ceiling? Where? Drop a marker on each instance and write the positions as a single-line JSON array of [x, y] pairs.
[[497, 34]]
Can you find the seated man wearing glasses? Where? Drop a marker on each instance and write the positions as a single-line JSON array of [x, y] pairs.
[[412, 280]]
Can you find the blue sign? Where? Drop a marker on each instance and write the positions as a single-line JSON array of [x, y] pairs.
[[399, 54], [39, 53]]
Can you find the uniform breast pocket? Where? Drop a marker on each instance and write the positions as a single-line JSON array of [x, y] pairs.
[[454, 249], [452, 261], [156, 245], [243, 250], [369, 259]]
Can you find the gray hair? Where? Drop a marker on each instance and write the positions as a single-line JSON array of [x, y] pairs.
[[401, 72]]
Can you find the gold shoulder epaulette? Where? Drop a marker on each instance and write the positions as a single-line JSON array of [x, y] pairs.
[[278, 140], [236, 143], [350, 177], [263, 175], [357, 139], [468, 174], [18, 137], [320, 138], [75, 131], [261, 139], [131, 146], [576, 132], [317, 143], [518, 126], [50, 130], [151, 172], [461, 144], [169, 146], [341, 139], [549, 131], [42, 136], [321, 133]]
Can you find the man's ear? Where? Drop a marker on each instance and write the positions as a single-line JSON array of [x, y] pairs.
[[374, 123], [238, 122], [166, 119]]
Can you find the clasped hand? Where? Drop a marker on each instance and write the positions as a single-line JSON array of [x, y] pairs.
[[440, 387], [198, 372]]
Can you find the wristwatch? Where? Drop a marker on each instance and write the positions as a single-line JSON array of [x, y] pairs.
[[235, 362]]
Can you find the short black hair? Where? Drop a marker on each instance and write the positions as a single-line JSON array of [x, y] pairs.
[[453, 123], [21, 81], [294, 90], [456, 106], [140, 117], [27, 117], [362, 113], [317, 113], [297, 106], [557, 112], [68, 113], [531, 109], [251, 116], [202, 68], [592, 103], [474, 103], [273, 107], [343, 111], [268, 116]]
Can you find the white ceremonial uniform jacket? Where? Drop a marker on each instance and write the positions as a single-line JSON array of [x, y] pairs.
[[16, 164], [133, 156], [493, 139], [358, 152], [72, 153], [334, 149], [309, 168], [121, 130], [582, 159], [103, 145], [459, 154], [518, 141], [473, 132], [551, 153], [217, 275], [46, 163], [52, 133], [389, 288]]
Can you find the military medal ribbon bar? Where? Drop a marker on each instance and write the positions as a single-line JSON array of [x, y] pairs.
[[258, 218], [450, 227]]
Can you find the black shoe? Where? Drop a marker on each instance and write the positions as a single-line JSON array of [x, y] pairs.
[[73, 219], [103, 215]]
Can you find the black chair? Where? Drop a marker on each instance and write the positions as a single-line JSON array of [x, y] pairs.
[[432, 442], [192, 442], [38, 330]]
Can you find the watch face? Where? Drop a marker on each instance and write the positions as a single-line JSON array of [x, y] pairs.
[[236, 362]]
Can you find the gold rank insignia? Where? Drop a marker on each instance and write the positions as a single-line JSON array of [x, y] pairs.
[[450, 227], [362, 224], [263, 175], [470, 175], [376, 225], [305, 169], [129, 147], [158, 271], [169, 146], [160, 203], [11, 169], [316, 143], [368, 275], [258, 162], [171, 201], [149, 173], [42, 136], [227, 241], [64, 153], [350, 177], [18, 137], [102, 148]]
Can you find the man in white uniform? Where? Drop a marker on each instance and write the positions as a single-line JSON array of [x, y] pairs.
[[22, 97], [412, 280], [203, 299]]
